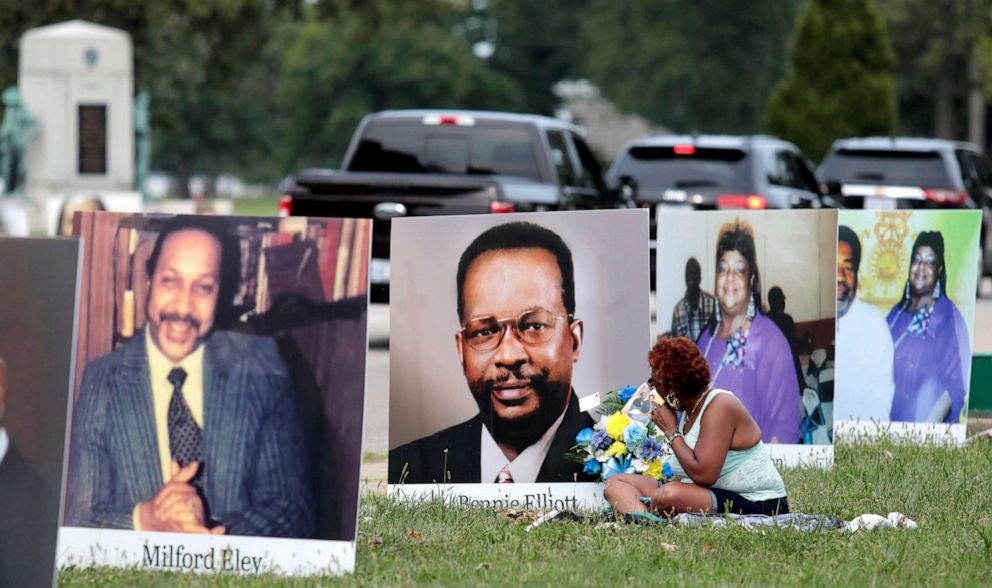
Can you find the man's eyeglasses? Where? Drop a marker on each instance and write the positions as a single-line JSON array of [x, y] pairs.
[[532, 326]]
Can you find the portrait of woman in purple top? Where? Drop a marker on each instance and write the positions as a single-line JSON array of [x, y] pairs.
[[745, 351], [932, 348]]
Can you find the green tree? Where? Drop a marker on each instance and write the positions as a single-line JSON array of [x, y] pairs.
[[537, 43], [840, 77], [201, 55], [192, 56], [692, 66], [944, 50], [340, 68]]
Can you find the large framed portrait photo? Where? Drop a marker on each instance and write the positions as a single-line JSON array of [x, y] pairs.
[[906, 323], [219, 393], [772, 272], [495, 356]]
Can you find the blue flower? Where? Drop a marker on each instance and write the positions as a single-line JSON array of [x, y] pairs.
[[626, 393], [633, 434], [600, 440], [584, 436], [616, 465], [666, 471], [650, 449], [592, 467]]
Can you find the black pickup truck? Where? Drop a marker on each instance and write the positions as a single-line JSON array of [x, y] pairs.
[[432, 162]]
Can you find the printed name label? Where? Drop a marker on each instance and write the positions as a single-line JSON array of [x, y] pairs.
[[178, 557]]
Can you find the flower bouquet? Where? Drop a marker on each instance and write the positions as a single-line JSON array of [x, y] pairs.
[[624, 441]]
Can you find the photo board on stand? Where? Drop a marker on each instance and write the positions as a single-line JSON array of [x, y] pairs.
[[755, 291], [907, 283], [505, 330], [219, 394]]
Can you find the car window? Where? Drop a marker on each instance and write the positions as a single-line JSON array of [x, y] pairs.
[[975, 167], [417, 148], [887, 166], [590, 172], [984, 169], [784, 171], [807, 179], [560, 158], [685, 167]]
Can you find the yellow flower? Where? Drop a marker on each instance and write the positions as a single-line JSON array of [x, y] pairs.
[[617, 449], [615, 425], [654, 469]]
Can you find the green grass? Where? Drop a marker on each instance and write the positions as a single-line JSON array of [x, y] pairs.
[[256, 206], [947, 491], [370, 456]]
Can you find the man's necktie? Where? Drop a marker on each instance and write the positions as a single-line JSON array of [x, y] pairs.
[[184, 434], [504, 476]]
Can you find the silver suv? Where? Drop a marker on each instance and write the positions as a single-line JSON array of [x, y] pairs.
[[707, 172]]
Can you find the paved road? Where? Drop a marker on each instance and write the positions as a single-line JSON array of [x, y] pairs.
[[377, 385], [377, 423]]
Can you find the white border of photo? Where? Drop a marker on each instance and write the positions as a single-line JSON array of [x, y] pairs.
[[184, 552]]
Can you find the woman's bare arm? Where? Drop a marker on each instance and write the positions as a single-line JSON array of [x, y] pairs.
[[716, 432]]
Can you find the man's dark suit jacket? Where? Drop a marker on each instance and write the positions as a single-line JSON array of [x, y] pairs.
[[425, 460], [29, 513], [255, 474]]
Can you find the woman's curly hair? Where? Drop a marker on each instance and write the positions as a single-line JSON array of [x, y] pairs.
[[680, 364]]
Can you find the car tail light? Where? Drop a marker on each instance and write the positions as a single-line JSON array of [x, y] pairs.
[[749, 201], [500, 207], [684, 149], [944, 196], [285, 205], [449, 119]]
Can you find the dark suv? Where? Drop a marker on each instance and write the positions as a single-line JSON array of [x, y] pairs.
[[709, 172], [888, 173], [433, 162]]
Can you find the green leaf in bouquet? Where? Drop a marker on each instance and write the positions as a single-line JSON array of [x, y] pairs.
[[576, 457]]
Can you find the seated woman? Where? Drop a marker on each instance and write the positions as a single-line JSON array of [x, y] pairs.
[[720, 462]]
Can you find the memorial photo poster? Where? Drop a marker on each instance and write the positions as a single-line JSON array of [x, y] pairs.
[[504, 328], [37, 306], [219, 394], [755, 291], [907, 281]]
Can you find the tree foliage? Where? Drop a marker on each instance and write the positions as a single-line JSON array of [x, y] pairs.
[[336, 70], [536, 43], [259, 88], [840, 77], [191, 55], [692, 66], [934, 41]]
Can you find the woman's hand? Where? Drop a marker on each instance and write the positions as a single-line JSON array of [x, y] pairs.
[[664, 417]]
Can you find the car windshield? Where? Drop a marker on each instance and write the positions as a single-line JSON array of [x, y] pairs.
[[686, 167], [886, 166], [412, 147]]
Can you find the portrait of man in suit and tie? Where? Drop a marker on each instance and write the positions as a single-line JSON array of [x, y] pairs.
[[193, 423], [519, 337]]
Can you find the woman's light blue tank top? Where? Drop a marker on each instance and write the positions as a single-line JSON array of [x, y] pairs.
[[748, 472]]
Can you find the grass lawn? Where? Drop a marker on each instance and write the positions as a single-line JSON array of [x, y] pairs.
[[947, 491], [256, 206]]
